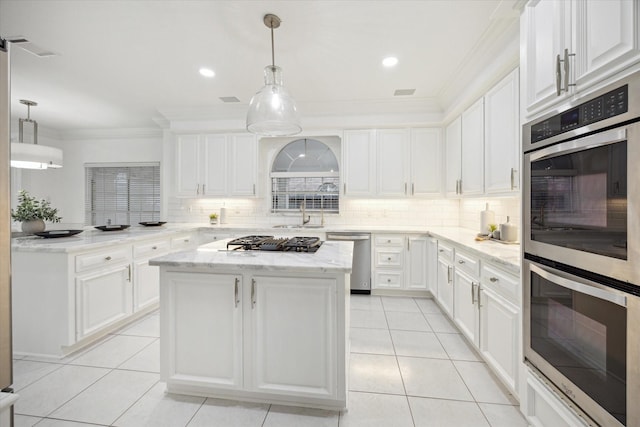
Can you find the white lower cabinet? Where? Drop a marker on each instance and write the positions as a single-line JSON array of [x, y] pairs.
[[399, 262], [483, 300], [445, 277], [265, 337], [206, 312], [500, 323], [146, 278], [293, 336], [102, 298], [466, 312]]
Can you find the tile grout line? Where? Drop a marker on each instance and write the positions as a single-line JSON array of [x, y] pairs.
[[133, 404]]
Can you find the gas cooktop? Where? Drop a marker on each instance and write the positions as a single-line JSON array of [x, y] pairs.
[[271, 243]]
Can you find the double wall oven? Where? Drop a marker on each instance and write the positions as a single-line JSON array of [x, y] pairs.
[[581, 244]]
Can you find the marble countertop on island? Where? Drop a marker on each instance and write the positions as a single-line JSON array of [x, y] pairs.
[[331, 257]]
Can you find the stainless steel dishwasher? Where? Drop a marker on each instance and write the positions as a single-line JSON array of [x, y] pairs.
[[361, 269]]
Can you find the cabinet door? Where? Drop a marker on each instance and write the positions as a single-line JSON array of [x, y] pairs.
[[502, 136], [445, 285], [188, 165], [417, 256], [215, 158], [605, 36], [294, 336], [432, 266], [358, 149], [453, 150], [206, 339], [545, 25], [500, 336], [465, 308], [391, 148], [425, 162], [146, 281], [473, 149], [243, 165], [102, 298]]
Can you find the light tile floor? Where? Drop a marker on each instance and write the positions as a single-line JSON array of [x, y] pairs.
[[409, 367]]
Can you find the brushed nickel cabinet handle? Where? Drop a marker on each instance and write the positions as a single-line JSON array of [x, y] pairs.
[[512, 179], [413, 188], [448, 274], [479, 296], [129, 272], [473, 292], [405, 188], [567, 67], [254, 189], [558, 76], [235, 293], [344, 188], [203, 188], [253, 293], [493, 279]]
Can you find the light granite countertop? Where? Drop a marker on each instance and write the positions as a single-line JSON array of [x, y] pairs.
[[331, 257], [505, 255]]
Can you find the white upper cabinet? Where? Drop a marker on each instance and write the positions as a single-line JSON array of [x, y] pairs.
[[425, 162], [502, 136], [546, 30], [606, 38], [358, 150], [392, 162], [453, 150], [571, 45], [473, 149], [216, 165], [243, 151]]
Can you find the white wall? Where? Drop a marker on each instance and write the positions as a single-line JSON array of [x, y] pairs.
[[64, 187]]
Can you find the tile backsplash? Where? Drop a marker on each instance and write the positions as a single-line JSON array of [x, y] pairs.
[[375, 212]]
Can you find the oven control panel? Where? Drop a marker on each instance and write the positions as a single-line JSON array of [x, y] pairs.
[[610, 104]]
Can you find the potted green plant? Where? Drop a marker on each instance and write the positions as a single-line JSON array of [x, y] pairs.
[[213, 218], [33, 213]]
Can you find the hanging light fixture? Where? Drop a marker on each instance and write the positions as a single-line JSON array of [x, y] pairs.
[[33, 156], [272, 110]]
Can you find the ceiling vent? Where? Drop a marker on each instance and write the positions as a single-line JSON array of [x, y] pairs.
[[404, 92], [32, 48], [229, 99]]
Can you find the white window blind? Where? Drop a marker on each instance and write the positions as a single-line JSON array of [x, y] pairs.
[[122, 194]]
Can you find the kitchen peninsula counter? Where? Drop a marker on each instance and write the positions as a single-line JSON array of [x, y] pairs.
[[257, 325]]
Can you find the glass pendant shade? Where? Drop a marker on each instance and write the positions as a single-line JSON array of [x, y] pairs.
[[272, 110]]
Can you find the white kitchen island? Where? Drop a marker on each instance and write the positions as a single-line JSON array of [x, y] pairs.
[[255, 325]]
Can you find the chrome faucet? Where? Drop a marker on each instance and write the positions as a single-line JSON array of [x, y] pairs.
[[305, 218]]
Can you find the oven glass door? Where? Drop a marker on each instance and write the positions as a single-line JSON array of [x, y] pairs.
[[578, 197], [582, 332]]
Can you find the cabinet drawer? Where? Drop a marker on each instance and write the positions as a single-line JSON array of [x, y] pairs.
[[445, 253], [468, 264], [501, 282], [181, 242], [150, 249], [388, 258], [388, 279], [389, 240], [105, 258]]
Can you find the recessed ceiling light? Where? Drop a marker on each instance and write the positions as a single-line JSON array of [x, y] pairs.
[[390, 61], [207, 72]]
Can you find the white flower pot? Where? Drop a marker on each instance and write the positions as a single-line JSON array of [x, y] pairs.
[[33, 226]]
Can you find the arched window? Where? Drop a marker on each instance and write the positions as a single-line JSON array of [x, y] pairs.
[[305, 170]]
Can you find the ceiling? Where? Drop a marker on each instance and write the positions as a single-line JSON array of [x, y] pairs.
[[134, 63]]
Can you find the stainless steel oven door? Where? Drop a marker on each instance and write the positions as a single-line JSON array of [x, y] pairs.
[[585, 338], [579, 197]]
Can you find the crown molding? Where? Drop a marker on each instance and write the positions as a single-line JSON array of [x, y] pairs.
[[122, 133]]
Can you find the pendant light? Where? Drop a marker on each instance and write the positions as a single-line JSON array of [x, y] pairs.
[[272, 110], [33, 156]]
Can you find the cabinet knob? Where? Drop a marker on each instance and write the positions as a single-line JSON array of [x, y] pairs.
[[460, 261], [388, 280], [493, 279], [154, 247], [108, 258], [389, 258], [186, 240], [389, 241], [440, 250]]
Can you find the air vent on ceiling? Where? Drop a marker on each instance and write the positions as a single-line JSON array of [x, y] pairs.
[[229, 99], [403, 92], [31, 47]]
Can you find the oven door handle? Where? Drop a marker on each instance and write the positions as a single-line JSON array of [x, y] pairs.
[[556, 277], [591, 141]]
